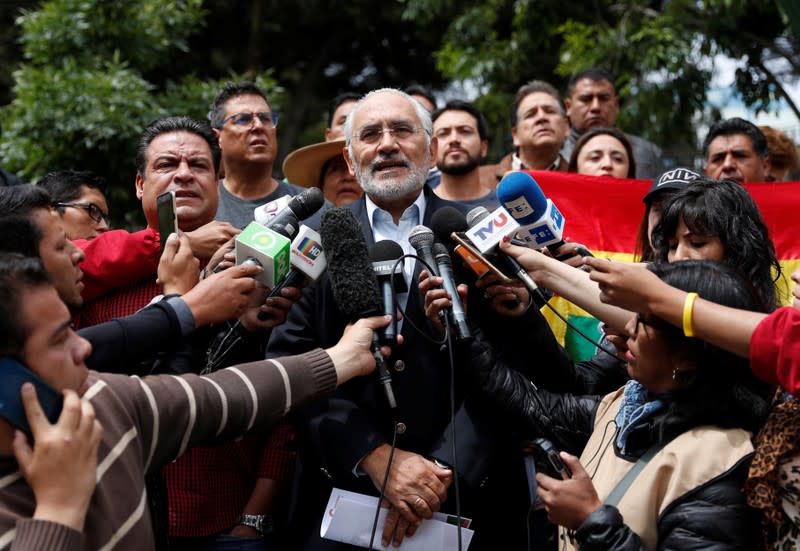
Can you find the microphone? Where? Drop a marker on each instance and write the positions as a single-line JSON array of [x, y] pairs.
[[457, 314], [354, 285], [266, 212], [307, 259], [265, 247], [474, 219], [268, 244], [487, 231], [287, 221], [449, 220], [421, 238], [542, 222], [384, 255]]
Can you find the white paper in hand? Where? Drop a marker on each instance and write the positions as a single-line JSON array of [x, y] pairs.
[[348, 519]]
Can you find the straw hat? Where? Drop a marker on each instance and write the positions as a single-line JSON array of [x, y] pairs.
[[303, 166]]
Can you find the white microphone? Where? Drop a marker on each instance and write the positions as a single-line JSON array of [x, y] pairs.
[[489, 231], [263, 214], [307, 259]]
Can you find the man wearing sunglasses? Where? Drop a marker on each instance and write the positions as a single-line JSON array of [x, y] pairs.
[[79, 197]]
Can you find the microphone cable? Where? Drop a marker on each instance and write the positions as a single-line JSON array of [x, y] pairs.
[[597, 344], [383, 487], [402, 311], [393, 447], [447, 341], [454, 466]]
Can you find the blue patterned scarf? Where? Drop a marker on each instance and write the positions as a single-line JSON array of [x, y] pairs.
[[635, 408]]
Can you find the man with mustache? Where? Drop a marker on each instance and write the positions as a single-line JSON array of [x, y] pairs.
[[345, 439], [592, 102], [226, 495], [736, 149], [463, 141], [539, 129]]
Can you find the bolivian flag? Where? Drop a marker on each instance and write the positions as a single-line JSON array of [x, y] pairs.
[[604, 214]]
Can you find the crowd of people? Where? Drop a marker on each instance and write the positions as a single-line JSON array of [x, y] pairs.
[[201, 410]]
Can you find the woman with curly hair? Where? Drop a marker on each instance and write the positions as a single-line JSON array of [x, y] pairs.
[[718, 220]]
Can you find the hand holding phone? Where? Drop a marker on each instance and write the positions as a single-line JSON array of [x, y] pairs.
[[13, 375], [167, 218], [548, 460], [61, 466]]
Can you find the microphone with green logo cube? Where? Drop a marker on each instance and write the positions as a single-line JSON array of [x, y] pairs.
[[267, 248]]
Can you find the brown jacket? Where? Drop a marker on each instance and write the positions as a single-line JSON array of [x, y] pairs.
[[492, 174]]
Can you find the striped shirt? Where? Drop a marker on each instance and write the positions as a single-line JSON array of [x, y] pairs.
[[152, 420]]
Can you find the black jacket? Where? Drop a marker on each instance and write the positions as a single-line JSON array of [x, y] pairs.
[[123, 345], [712, 516]]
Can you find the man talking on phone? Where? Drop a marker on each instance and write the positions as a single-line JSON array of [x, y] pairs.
[[79, 483]]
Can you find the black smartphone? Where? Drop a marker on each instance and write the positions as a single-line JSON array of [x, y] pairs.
[[13, 374], [547, 460], [167, 219]]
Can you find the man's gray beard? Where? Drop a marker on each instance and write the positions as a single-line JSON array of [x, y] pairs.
[[393, 190]]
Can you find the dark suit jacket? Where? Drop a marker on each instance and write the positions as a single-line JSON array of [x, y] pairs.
[[337, 431]]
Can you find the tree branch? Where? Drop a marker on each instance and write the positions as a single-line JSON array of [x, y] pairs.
[[772, 79]]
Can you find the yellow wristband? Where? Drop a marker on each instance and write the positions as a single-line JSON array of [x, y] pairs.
[[688, 309]]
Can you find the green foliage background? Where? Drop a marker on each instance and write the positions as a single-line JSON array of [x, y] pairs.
[[89, 74]]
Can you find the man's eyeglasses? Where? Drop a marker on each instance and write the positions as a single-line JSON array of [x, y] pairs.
[[94, 212], [269, 120], [371, 135]]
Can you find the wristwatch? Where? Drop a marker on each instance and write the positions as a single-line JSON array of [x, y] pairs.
[[260, 523]]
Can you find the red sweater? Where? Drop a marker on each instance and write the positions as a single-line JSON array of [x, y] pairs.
[[775, 349], [118, 258]]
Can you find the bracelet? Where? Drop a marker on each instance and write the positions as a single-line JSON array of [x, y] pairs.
[[688, 309]]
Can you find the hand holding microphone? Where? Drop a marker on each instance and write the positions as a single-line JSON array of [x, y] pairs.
[[268, 243], [437, 300], [436, 256], [353, 282], [353, 355], [449, 223], [457, 312], [477, 219]]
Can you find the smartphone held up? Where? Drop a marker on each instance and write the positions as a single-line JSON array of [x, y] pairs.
[[167, 217]]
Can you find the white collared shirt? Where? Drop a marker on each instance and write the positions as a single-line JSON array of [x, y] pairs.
[[383, 227]]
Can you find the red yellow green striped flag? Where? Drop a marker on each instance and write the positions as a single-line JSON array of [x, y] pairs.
[[604, 214]]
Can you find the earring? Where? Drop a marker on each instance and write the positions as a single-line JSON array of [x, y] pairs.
[[675, 374]]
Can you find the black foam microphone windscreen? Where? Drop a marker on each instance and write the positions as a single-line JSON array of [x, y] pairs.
[[355, 287]]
